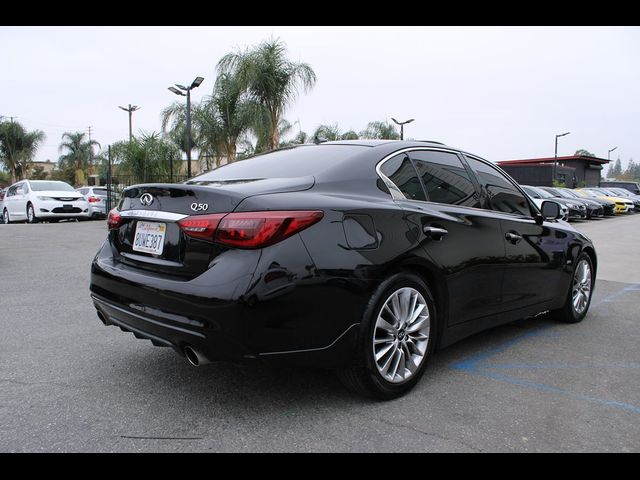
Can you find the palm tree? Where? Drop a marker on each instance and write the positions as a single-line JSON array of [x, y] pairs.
[[234, 113], [333, 132], [270, 78], [145, 156], [18, 147], [381, 130], [79, 154]]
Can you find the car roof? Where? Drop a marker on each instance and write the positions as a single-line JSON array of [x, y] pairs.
[[378, 142]]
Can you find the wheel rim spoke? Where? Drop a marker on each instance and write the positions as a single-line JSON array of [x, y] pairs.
[[581, 291], [399, 348]]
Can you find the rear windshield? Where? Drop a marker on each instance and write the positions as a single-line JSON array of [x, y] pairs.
[[55, 186], [289, 163], [100, 191]]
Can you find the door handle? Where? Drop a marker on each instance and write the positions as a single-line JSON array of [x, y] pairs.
[[436, 233], [513, 237]]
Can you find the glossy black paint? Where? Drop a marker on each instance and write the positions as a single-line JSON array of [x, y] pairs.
[[302, 300]]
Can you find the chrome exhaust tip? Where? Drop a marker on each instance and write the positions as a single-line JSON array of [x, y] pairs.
[[194, 357], [102, 318]]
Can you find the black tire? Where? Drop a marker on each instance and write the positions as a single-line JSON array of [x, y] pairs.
[[363, 376], [568, 313], [31, 214], [5, 216]]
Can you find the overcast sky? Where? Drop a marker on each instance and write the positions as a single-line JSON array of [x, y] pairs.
[[499, 92]]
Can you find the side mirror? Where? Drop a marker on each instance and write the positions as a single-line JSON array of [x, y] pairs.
[[550, 210], [19, 191]]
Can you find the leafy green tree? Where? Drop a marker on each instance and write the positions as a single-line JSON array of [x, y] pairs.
[[18, 147], [349, 135], [632, 172], [38, 173], [146, 156], [78, 154], [327, 132], [584, 153], [271, 79], [616, 169], [380, 130], [333, 132]]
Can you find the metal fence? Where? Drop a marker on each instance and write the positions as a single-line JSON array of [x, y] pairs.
[[117, 183]]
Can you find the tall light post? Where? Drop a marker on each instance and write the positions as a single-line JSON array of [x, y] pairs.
[[402, 125], [609, 153], [194, 84], [555, 161], [131, 109]]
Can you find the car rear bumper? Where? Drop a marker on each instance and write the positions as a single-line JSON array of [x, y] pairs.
[[239, 308]]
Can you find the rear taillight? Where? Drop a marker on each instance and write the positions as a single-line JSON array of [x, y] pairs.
[[114, 219], [201, 226], [249, 229], [93, 199]]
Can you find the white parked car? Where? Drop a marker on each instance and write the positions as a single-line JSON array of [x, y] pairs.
[[34, 200]]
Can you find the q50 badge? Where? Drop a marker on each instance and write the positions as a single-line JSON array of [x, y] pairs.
[[199, 207]]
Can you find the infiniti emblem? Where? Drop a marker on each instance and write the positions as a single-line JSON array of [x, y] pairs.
[[146, 199]]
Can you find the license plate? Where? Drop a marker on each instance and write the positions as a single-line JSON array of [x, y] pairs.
[[149, 237], [67, 206]]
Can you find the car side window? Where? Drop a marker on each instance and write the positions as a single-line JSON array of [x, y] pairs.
[[84, 191], [502, 195], [400, 171], [12, 191], [445, 178]]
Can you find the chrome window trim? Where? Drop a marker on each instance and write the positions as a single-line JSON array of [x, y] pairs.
[[399, 195], [153, 215]]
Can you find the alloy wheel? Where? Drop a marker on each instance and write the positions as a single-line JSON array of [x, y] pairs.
[[581, 292], [401, 335]]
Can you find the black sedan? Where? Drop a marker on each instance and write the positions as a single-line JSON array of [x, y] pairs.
[[360, 256], [593, 208], [608, 207]]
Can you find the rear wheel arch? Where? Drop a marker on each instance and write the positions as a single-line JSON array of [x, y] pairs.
[[592, 255], [429, 274]]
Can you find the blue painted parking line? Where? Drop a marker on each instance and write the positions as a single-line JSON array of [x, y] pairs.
[[477, 364]]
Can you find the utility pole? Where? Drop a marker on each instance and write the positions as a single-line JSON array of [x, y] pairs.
[[89, 128], [131, 109]]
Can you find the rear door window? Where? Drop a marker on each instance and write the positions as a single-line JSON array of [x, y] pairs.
[[445, 178], [400, 171]]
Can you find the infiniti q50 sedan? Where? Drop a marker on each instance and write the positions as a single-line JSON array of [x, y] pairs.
[[360, 256]]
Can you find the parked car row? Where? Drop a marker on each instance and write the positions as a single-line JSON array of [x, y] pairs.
[[586, 203], [33, 201]]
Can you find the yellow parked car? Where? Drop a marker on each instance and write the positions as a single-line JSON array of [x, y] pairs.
[[622, 204]]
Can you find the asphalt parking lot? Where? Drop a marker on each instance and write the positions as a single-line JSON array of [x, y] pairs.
[[69, 384]]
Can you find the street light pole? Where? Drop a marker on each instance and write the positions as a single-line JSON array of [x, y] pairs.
[[131, 109], [555, 161], [402, 125], [609, 153], [194, 84]]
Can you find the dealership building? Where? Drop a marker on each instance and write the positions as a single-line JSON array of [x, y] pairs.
[[573, 170]]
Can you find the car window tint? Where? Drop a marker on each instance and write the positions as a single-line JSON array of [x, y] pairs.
[[444, 178], [84, 191], [401, 172], [502, 195]]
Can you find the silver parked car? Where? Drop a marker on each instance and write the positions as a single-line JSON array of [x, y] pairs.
[[97, 198]]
